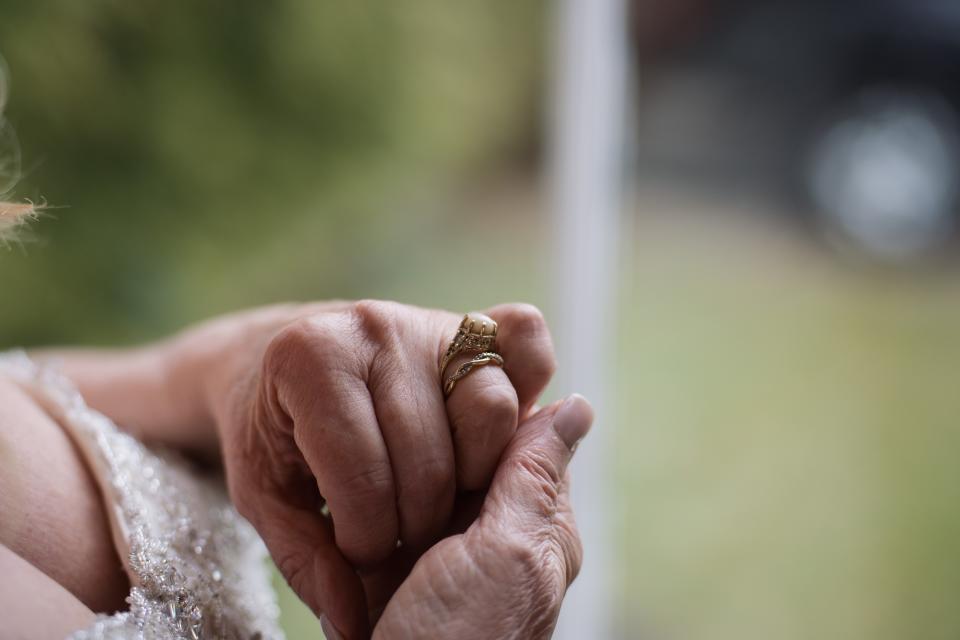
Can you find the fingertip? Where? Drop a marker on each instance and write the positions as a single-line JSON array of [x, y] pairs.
[[349, 611], [573, 419], [330, 632]]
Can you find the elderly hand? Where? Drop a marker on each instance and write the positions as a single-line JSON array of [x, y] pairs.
[[343, 407], [339, 405], [506, 575]]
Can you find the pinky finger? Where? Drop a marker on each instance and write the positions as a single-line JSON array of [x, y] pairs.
[[302, 546]]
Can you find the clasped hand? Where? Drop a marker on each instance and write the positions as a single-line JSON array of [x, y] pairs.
[[389, 509]]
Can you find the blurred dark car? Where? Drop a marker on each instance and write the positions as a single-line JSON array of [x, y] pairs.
[[849, 108]]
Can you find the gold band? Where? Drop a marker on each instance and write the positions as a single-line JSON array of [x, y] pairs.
[[479, 360], [477, 332]]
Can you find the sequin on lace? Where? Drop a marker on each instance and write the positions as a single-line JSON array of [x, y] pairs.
[[197, 569]]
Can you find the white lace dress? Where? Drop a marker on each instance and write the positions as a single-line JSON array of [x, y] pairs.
[[196, 568]]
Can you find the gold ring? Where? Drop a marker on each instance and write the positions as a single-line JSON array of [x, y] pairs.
[[477, 333], [479, 360]]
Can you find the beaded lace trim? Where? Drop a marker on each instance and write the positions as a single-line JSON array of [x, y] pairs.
[[197, 569]]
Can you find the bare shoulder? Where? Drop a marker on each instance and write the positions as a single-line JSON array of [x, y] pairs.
[[51, 512]]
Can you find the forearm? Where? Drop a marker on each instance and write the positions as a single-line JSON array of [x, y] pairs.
[[148, 391], [164, 392]]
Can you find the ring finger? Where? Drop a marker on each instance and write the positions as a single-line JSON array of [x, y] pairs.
[[482, 408]]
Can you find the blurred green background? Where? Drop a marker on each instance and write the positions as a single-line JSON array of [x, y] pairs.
[[200, 157], [786, 423]]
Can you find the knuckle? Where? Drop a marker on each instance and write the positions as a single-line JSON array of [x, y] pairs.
[[375, 319], [261, 470], [309, 350], [288, 347], [535, 560], [428, 479], [548, 547], [372, 485], [488, 416], [523, 553], [497, 406], [541, 473], [527, 318], [292, 567], [528, 324]]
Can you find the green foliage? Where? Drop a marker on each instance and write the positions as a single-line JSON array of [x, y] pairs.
[[209, 155]]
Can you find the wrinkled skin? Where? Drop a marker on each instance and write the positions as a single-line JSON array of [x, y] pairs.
[[391, 510], [506, 575], [340, 406]]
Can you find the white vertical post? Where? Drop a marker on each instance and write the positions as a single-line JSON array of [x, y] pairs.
[[586, 172]]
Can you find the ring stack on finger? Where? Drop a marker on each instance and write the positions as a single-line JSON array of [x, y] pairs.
[[477, 334]]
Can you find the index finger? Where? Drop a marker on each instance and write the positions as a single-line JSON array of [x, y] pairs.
[[329, 410]]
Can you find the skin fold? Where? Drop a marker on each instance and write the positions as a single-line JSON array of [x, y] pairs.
[[441, 515]]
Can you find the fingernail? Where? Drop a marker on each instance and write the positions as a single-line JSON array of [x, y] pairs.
[[329, 631], [573, 420]]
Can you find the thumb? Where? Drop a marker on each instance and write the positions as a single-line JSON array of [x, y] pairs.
[[530, 480]]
